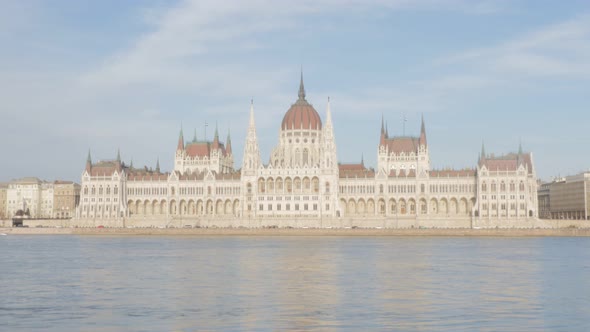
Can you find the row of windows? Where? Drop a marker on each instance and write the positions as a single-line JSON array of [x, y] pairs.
[[493, 186], [101, 191], [147, 191], [358, 189], [100, 199], [314, 207], [502, 197], [288, 185], [288, 198], [494, 206], [451, 188]]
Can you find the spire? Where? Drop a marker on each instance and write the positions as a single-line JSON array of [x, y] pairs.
[[88, 162], [251, 158], [180, 145], [195, 136], [131, 164], [118, 155], [423, 133], [158, 165], [483, 151], [382, 137], [386, 130], [216, 138], [363, 159], [228, 142], [301, 87], [519, 147]]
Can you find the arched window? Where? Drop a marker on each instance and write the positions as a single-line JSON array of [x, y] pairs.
[[484, 187], [305, 156], [493, 186], [502, 186], [261, 183]]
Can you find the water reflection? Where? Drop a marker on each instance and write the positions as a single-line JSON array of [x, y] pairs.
[[299, 283]]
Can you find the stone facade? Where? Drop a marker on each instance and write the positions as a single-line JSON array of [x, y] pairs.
[[303, 185], [3, 200], [66, 196], [566, 198], [41, 199]]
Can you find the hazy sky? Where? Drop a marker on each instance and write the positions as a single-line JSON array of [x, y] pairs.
[[109, 74]]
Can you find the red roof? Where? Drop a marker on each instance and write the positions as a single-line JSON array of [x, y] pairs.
[[406, 145], [509, 162], [105, 168], [301, 115], [202, 149], [355, 171], [450, 173]]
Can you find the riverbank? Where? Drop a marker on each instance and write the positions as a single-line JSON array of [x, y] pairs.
[[297, 232]]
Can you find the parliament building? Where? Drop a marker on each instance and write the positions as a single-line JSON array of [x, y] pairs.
[[304, 185]]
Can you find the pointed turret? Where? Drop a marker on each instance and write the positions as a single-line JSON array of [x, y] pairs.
[[180, 145], [328, 114], [519, 148], [251, 159], [386, 130], [363, 159], [382, 137], [131, 164], [482, 156], [158, 165], [423, 133], [228, 143], [301, 87], [195, 136], [216, 138], [88, 162]]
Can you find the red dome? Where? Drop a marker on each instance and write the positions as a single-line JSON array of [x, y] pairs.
[[301, 115]]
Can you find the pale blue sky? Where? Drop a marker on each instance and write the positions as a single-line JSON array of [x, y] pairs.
[[115, 74]]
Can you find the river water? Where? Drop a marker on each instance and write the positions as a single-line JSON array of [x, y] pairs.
[[134, 283]]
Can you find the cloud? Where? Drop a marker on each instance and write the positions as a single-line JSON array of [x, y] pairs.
[[559, 50]]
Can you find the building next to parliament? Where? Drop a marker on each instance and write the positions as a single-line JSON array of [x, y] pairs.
[[304, 185]]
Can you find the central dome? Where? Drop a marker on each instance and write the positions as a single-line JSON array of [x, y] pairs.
[[301, 115]]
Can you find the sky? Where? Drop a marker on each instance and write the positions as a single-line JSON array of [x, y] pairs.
[[107, 75]]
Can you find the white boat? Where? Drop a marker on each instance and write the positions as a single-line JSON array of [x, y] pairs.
[[3, 234]]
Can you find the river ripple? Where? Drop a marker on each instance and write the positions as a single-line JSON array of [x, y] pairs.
[[87, 283]]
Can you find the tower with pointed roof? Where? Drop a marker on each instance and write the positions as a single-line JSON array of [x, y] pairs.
[[251, 158], [201, 156], [403, 154]]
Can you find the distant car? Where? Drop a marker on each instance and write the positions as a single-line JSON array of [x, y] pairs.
[[100, 226]]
